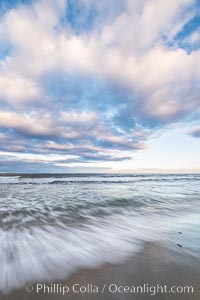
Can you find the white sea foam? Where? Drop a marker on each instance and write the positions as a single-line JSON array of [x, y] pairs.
[[49, 253], [9, 179]]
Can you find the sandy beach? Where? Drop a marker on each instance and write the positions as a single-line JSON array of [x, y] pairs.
[[157, 265]]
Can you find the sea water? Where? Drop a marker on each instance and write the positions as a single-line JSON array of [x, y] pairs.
[[54, 224]]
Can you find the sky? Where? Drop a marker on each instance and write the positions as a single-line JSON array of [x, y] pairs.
[[99, 86]]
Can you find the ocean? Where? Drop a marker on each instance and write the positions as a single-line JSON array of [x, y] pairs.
[[52, 225]]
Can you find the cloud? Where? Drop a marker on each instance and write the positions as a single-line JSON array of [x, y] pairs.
[[76, 79], [17, 90], [8, 166], [74, 137], [195, 133], [27, 125], [193, 38]]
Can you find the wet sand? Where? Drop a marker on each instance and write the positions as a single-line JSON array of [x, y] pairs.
[[155, 265]]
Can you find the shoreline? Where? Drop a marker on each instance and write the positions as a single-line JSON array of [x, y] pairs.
[[157, 264]]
